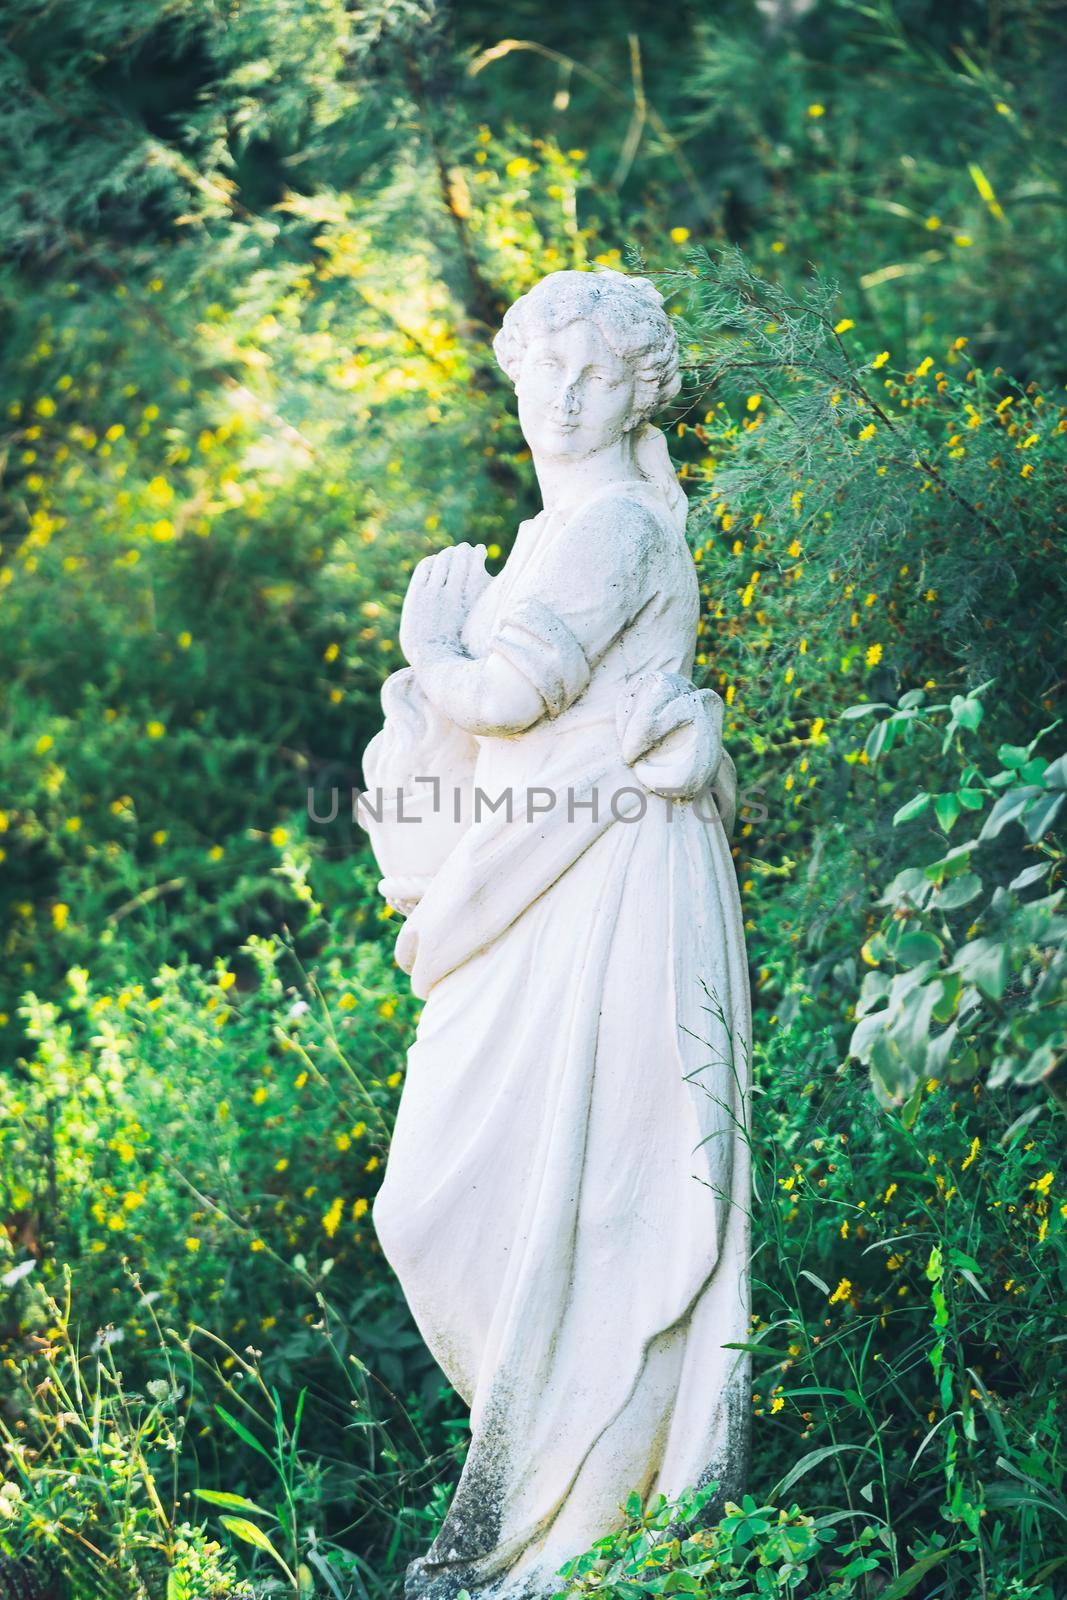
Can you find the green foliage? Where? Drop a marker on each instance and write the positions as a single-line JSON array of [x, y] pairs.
[[982, 954], [752, 1549]]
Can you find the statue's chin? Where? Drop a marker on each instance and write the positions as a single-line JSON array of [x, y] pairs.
[[552, 442]]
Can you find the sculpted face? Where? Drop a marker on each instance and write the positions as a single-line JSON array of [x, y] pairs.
[[575, 394]]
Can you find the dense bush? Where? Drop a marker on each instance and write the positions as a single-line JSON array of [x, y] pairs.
[[252, 260]]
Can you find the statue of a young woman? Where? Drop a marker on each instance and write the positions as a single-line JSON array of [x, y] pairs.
[[566, 1196]]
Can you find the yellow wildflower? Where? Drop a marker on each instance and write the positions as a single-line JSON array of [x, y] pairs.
[[842, 1292], [331, 1220]]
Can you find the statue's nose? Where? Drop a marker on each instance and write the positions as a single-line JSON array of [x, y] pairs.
[[568, 404]]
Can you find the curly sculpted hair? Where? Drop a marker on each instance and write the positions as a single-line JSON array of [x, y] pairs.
[[628, 313]]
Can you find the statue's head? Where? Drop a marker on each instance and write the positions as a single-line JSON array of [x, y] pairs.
[[592, 355]]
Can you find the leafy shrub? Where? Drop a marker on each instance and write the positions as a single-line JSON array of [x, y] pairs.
[[985, 960]]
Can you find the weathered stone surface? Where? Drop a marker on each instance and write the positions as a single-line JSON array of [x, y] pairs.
[[566, 1196]]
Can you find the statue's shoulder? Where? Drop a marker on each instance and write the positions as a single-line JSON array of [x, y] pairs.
[[631, 520]]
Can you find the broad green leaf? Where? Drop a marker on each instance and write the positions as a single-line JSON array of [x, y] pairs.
[[957, 892], [1008, 808], [880, 738], [949, 986], [946, 809], [1039, 818], [985, 963], [938, 1051], [968, 713], [1030, 875], [864, 1034], [1055, 774], [916, 947], [911, 884]]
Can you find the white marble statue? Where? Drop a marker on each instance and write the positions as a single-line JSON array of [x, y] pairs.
[[566, 1196]]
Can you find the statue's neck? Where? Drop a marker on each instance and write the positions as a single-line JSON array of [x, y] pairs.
[[565, 482]]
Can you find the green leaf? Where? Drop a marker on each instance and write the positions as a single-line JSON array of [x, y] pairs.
[[985, 963], [957, 892], [241, 1431], [973, 799], [945, 1005], [852, 712], [1030, 875], [916, 947], [946, 809], [233, 1502], [1055, 774], [825, 1287], [967, 713], [913, 1575], [249, 1533], [880, 738], [1010, 806], [914, 808], [1040, 817], [1013, 755]]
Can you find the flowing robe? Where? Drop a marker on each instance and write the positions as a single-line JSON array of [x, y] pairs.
[[566, 1195]]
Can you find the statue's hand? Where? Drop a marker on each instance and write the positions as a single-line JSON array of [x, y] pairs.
[[442, 590]]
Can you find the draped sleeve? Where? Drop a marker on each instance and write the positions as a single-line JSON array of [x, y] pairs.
[[594, 580]]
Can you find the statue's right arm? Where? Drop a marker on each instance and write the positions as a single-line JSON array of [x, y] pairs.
[[485, 695]]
